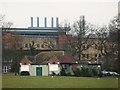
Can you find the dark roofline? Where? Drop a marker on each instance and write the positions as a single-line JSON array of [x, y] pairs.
[[37, 28]]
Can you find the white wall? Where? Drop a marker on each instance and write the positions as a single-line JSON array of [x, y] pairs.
[[24, 68], [33, 70], [54, 68]]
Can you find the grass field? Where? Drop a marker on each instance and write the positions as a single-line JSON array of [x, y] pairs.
[[11, 81]]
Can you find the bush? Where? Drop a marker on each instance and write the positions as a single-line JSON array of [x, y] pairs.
[[62, 72], [77, 72]]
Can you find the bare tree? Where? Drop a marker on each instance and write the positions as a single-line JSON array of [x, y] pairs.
[[17, 42], [3, 24], [1, 19], [107, 45], [81, 35]]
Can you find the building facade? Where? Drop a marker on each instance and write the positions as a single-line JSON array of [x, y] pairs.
[[36, 36]]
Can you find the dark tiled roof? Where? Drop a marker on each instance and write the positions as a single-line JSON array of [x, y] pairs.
[[27, 60], [46, 58], [31, 58], [67, 59]]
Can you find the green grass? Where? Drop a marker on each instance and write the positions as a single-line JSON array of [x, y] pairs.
[[11, 81]]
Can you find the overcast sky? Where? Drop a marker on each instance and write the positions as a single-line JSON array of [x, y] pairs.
[[98, 12]]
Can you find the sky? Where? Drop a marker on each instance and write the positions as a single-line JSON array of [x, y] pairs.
[[98, 12]]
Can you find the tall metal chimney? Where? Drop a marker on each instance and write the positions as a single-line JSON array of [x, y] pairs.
[[31, 21], [56, 21], [37, 21], [45, 22], [52, 22]]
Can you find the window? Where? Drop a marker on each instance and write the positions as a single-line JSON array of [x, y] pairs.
[[38, 45], [66, 46], [49, 46], [30, 45], [42, 45], [5, 45], [95, 55], [26, 45], [5, 69], [84, 46], [85, 55]]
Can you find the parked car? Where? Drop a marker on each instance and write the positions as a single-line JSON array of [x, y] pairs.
[[114, 73], [109, 73]]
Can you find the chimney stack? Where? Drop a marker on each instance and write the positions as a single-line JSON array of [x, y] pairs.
[[31, 21], [56, 21], [45, 22], [37, 21], [52, 22]]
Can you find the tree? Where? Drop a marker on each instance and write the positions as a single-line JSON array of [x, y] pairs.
[[1, 19], [17, 42], [81, 35], [3, 24], [32, 47], [108, 46], [13, 53], [114, 26]]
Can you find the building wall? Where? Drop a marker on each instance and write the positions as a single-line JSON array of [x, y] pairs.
[[90, 51], [39, 43], [6, 40], [64, 41], [33, 70], [24, 68], [56, 72], [90, 54]]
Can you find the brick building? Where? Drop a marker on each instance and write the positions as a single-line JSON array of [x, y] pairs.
[[6, 40], [44, 38]]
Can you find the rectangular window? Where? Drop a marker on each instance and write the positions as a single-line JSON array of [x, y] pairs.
[[30, 45], [42, 45], [5, 69], [5, 45], [83, 47], [95, 55], [38, 45], [49, 46], [83, 55], [87, 55], [26, 45]]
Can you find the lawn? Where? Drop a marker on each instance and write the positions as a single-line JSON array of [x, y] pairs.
[[11, 81]]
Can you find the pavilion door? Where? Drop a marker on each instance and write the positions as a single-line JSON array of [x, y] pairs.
[[38, 71]]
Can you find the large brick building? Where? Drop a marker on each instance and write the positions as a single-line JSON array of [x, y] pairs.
[[44, 38]]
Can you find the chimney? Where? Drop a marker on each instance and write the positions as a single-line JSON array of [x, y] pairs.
[[56, 21], [31, 21], [37, 21], [45, 22], [52, 22]]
